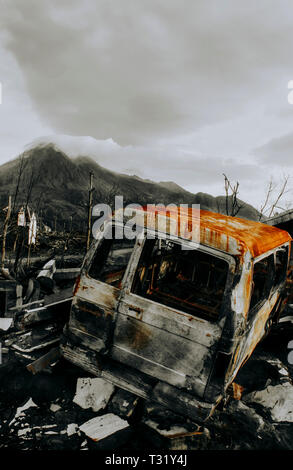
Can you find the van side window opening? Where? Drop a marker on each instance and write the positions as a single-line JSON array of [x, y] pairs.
[[111, 260], [263, 274], [281, 261], [188, 280]]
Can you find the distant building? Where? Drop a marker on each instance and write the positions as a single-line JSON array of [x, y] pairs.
[[283, 221]]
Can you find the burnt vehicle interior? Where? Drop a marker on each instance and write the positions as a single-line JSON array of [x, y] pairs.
[[192, 281], [111, 260], [188, 280], [268, 273]]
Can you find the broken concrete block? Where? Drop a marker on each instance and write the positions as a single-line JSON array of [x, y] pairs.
[[123, 403], [277, 399], [93, 393], [5, 323], [72, 428], [108, 430], [23, 432], [54, 407]]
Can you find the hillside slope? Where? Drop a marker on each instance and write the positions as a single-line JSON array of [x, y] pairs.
[[56, 186]]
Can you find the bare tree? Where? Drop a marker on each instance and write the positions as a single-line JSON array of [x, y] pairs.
[[269, 207], [31, 183], [22, 164], [8, 213], [90, 204], [235, 205]]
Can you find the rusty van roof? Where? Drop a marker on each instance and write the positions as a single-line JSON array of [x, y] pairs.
[[257, 237], [229, 234]]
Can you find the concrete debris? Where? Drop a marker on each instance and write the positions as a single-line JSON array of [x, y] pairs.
[[23, 432], [54, 407], [84, 445], [47, 403], [72, 428], [21, 409], [103, 426], [277, 399], [5, 323], [93, 393]]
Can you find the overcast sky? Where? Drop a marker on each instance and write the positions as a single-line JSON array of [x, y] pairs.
[[168, 90]]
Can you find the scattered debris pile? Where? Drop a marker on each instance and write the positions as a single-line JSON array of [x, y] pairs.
[[34, 310], [64, 407], [49, 403]]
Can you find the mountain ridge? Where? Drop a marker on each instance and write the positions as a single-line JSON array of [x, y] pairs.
[[59, 187]]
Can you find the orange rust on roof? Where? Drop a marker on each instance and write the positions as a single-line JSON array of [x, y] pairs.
[[219, 230]]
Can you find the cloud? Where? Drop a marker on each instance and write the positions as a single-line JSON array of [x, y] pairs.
[[278, 151], [138, 72]]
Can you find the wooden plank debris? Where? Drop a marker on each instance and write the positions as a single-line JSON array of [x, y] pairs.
[[40, 364]]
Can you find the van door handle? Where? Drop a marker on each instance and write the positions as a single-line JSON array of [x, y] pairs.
[[135, 309]]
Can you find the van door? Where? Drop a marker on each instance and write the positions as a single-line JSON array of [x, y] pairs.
[[268, 278], [170, 315], [97, 296]]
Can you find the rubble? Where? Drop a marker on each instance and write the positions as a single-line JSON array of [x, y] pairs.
[[277, 399], [47, 403], [93, 393], [54, 407], [72, 428], [44, 361], [5, 323], [21, 409], [123, 403], [189, 436], [55, 421], [103, 427]]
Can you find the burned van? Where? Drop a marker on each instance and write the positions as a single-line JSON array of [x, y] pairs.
[[173, 320]]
